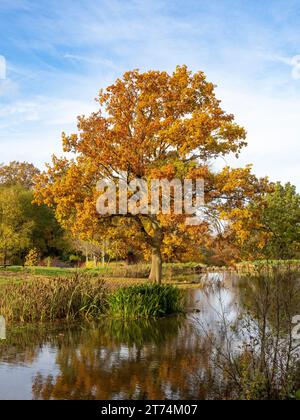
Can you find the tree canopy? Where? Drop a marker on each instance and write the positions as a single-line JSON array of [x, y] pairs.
[[25, 226], [153, 125], [272, 227], [18, 173]]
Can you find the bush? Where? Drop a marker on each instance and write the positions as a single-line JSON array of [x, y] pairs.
[[145, 301], [48, 262], [32, 258], [65, 298]]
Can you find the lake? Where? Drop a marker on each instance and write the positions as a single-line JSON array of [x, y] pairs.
[[114, 359]]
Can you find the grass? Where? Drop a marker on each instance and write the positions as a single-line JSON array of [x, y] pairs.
[[112, 270], [49, 293], [42, 271], [145, 301], [269, 262], [116, 275], [67, 298], [41, 299]]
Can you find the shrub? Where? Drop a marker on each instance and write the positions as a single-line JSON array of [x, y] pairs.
[[145, 301], [32, 258], [90, 264], [74, 259], [50, 299], [48, 262], [256, 357]]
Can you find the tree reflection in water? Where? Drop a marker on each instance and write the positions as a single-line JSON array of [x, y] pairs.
[[166, 358], [135, 360], [158, 359]]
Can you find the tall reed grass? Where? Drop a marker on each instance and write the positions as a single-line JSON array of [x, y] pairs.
[[145, 301], [49, 299]]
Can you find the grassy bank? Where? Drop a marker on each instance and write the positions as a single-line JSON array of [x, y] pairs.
[[136, 271], [113, 270], [115, 275], [268, 263]]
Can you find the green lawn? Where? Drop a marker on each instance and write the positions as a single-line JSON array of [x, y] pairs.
[[115, 275], [57, 271], [112, 270], [42, 271]]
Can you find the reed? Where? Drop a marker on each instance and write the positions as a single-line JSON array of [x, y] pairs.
[[145, 301], [49, 299]]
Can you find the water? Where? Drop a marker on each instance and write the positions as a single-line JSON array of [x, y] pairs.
[[113, 359]]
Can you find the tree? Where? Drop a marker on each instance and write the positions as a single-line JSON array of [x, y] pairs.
[[281, 217], [24, 225], [88, 249], [46, 235], [15, 228], [18, 173], [278, 222], [153, 126]]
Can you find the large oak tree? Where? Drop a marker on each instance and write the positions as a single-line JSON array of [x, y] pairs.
[[151, 125]]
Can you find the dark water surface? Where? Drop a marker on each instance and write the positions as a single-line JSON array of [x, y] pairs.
[[114, 359]]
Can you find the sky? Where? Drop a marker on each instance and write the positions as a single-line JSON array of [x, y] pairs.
[[56, 55]]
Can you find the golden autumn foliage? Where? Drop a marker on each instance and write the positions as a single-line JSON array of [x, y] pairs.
[[151, 125]]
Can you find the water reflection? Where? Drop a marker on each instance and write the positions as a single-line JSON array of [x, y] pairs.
[[105, 361], [104, 366], [168, 358]]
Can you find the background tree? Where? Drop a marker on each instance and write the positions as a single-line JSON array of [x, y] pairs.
[[15, 228], [18, 173], [25, 226], [153, 125], [89, 250], [281, 217], [272, 227], [47, 235]]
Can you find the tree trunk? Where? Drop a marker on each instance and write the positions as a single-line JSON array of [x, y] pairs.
[[5, 259], [156, 266], [155, 241], [103, 252]]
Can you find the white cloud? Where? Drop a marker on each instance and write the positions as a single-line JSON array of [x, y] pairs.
[[31, 130], [47, 111], [272, 123]]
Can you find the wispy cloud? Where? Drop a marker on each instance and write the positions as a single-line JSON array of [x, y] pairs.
[[293, 62], [92, 60], [60, 53]]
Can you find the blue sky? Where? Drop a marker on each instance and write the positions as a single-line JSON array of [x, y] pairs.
[[59, 53]]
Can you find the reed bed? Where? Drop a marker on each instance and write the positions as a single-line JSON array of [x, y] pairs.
[[145, 301], [49, 299]]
